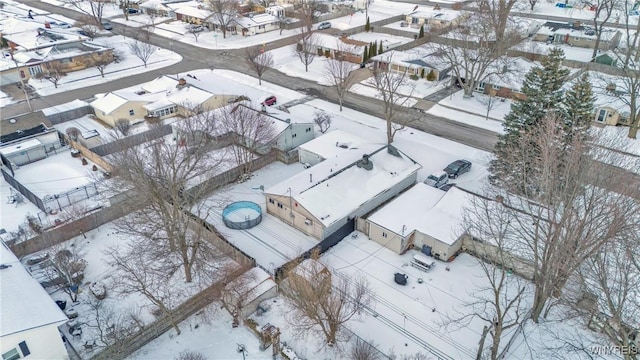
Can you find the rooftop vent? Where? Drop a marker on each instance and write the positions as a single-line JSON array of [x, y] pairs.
[[365, 163], [393, 151], [4, 266]]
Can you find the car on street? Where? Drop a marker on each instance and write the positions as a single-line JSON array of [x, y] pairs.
[[270, 100], [437, 179], [106, 25], [457, 168], [324, 25], [133, 11]]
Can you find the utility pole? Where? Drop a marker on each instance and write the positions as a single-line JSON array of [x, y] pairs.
[[290, 206]]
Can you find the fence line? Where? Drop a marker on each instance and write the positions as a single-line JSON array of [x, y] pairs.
[[92, 156], [23, 190], [132, 140]]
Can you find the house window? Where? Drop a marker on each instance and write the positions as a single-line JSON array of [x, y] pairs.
[[66, 61], [12, 354], [602, 116], [280, 206], [308, 129], [271, 201], [384, 234], [480, 87], [495, 87], [131, 112], [294, 135], [35, 70], [261, 27], [577, 38]]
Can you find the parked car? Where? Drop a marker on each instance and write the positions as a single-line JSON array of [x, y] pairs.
[[60, 24], [437, 179], [196, 28], [458, 168], [270, 100], [447, 186], [106, 25], [133, 11], [324, 25]]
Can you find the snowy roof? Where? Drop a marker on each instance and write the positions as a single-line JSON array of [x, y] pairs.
[[333, 42], [327, 190], [421, 56], [161, 83], [24, 304], [109, 102], [193, 12], [75, 104], [603, 98], [180, 4], [426, 209], [336, 142], [23, 146], [310, 268], [577, 31], [439, 14], [256, 20], [251, 284]]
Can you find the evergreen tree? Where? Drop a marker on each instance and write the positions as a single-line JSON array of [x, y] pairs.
[[421, 34], [367, 25], [365, 55], [422, 73], [431, 76], [542, 88], [380, 48], [371, 51], [578, 107]]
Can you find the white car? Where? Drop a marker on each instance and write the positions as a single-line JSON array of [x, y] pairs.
[[437, 179], [324, 25]]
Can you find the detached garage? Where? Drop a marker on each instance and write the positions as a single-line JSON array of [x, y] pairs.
[[423, 217]]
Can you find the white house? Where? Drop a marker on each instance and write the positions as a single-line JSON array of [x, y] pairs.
[[29, 145], [333, 144], [423, 217], [324, 200], [29, 318], [418, 61], [256, 24]]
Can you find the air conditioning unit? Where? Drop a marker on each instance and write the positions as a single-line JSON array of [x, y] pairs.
[[307, 222]]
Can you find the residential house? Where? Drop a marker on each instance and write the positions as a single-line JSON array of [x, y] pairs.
[[256, 24], [35, 48], [29, 145], [157, 8], [29, 318], [331, 145], [609, 108], [423, 217], [419, 61], [349, 49], [576, 34], [434, 17], [156, 100], [197, 14], [324, 200], [276, 10]]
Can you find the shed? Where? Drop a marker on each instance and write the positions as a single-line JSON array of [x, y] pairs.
[[248, 290]]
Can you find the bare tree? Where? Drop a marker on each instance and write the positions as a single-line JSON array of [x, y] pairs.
[[54, 73], [151, 279], [497, 15], [532, 4], [389, 85], [195, 31], [253, 130], [307, 47], [142, 50], [631, 36], [490, 101], [259, 60], [88, 27], [566, 219], [100, 62], [322, 302], [110, 327], [338, 71], [166, 180], [238, 292], [323, 120], [612, 276], [602, 12], [500, 298], [92, 8], [362, 350], [69, 267], [306, 11], [123, 126], [223, 12]]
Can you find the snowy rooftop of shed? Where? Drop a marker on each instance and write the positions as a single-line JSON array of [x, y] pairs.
[[334, 188], [426, 209], [336, 142], [24, 304]]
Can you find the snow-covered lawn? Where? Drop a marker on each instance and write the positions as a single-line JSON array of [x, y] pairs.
[[140, 20], [13, 215], [110, 9], [579, 12], [5, 99], [127, 66], [570, 52], [367, 89]]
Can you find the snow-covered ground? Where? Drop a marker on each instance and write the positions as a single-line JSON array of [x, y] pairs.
[[5, 99], [581, 11], [473, 110], [110, 9], [128, 65]]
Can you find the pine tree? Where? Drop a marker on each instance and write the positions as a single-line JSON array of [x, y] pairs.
[[365, 55], [380, 48], [371, 51], [431, 76], [421, 34], [422, 73], [367, 25], [542, 88], [578, 107]]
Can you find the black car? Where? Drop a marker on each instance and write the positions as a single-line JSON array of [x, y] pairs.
[[447, 186], [457, 168]]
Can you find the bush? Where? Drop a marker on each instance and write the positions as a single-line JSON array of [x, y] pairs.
[[190, 355], [431, 76], [414, 77]]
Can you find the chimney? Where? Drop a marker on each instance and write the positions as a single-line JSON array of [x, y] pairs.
[[47, 25], [182, 82]]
